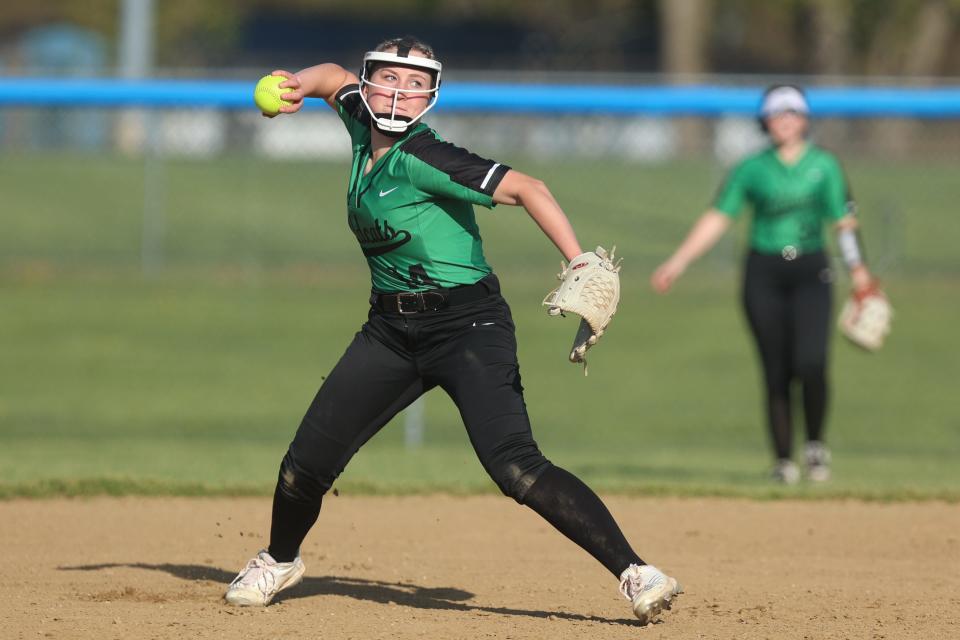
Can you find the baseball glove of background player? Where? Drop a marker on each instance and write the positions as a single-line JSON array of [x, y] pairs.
[[590, 288], [865, 318]]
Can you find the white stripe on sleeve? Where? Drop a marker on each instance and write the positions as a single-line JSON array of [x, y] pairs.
[[483, 185]]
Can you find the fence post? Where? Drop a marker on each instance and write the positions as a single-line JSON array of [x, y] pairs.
[[413, 424]]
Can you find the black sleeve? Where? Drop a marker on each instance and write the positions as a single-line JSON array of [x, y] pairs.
[[459, 165], [350, 106]]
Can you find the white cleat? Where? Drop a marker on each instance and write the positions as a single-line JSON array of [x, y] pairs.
[[786, 471], [262, 579], [818, 461], [649, 590]]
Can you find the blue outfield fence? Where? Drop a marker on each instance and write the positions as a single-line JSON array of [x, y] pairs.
[[471, 97]]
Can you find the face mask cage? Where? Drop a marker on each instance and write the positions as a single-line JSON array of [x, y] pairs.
[[392, 123]]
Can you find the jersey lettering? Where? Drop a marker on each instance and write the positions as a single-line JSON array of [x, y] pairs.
[[378, 239]]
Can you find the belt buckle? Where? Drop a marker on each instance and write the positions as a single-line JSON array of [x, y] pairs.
[[415, 300], [789, 253]]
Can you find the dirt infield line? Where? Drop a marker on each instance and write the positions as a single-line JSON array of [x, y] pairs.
[[480, 567]]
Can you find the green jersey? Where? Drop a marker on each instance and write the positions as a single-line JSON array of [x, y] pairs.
[[412, 213], [790, 202]]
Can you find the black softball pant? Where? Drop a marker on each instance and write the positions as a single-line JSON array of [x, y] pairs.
[[788, 307], [470, 352]]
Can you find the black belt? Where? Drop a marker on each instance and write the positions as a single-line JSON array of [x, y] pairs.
[[788, 253], [434, 299]]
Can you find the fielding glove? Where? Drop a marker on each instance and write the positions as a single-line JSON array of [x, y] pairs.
[[865, 318], [590, 288]]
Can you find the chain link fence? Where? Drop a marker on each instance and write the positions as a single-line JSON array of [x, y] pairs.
[[182, 187]]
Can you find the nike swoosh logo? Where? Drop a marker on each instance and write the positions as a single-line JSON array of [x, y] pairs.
[[388, 192]]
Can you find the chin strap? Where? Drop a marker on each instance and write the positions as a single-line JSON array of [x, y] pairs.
[[390, 133], [403, 47]]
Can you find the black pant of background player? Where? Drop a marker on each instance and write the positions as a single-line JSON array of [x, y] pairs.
[[468, 348], [788, 306]]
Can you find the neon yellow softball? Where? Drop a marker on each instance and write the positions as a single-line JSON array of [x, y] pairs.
[[267, 94]]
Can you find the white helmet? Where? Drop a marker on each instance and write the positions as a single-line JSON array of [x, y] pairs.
[[779, 98], [390, 123]]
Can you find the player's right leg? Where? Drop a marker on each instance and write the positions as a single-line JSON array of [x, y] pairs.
[[372, 382], [768, 313]]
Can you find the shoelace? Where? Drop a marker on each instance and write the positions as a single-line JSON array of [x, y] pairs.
[[252, 573], [633, 583]]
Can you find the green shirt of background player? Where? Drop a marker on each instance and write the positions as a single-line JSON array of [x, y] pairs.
[[436, 320], [794, 190], [791, 201]]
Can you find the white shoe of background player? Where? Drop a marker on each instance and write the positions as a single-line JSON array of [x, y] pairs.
[[786, 471], [262, 579], [649, 590], [818, 461]]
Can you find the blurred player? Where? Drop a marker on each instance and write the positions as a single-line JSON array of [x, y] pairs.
[[436, 319], [794, 188]]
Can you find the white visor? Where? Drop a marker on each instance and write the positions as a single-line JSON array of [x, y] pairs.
[[784, 99], [393, 123]]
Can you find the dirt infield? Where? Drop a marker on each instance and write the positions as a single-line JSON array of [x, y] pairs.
[[480, 567]]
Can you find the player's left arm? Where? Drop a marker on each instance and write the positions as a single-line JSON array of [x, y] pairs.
[[842, 207], [848, 240], [866, 315], [519, 189]]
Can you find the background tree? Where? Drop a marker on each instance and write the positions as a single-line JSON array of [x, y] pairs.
[[905, 38], [684, 28]]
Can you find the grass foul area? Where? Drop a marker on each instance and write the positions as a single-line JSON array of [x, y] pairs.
[[170, 344]]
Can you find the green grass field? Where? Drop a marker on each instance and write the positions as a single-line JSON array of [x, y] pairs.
[[192, 379]]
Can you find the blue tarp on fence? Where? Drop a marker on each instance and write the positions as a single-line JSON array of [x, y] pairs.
[[699, 100]]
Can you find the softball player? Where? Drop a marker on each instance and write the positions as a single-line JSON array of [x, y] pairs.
[[436, 319], [794, 188]]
